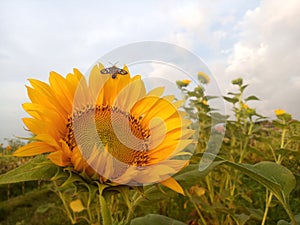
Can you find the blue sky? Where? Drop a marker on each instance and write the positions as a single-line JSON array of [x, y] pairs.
[[256, 40]]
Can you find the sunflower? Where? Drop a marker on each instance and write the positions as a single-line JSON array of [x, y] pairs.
[[279, 112], [108, 126], [203, 77]]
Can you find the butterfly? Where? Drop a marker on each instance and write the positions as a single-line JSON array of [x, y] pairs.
[[114, 71]]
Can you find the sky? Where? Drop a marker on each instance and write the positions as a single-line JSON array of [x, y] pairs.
[[256, 40]]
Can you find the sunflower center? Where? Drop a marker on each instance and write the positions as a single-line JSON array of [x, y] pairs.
[[122, 135]]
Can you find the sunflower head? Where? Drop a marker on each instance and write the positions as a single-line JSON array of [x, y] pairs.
[[279, 112], [203, 77], [183, 83], [108, 125]]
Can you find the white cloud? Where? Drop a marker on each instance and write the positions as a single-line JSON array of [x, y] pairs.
[[267, 55], [192, 21]]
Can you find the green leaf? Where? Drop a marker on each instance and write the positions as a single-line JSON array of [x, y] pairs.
[[234, 94], [243, 87], [45, 207], [278, 124], [237, 81], [156, 219], [192, 174], [252, 97], [39, 168], [68, 178], [285, 117], [231, 100], [287, 152], [256, 214], [210, 97], [125, 192], [242, 218], [277, 178], [283, 222], [151, 194]]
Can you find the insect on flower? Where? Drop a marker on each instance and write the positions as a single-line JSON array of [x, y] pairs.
[[114, 71]]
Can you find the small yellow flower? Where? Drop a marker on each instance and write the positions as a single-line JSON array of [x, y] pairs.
[[76, 205], [186, 81], [8, 147], [279, 112], [183, 83], [245, 106], [203, 78], [197, 191], [205, 102]]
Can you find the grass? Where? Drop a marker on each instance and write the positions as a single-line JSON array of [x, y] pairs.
[[39, 206]]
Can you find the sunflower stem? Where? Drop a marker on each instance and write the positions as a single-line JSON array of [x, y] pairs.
[[105, 212], [130, 212], [269, 197], [67, 210]]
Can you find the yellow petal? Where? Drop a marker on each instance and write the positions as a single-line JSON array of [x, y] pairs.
[[78, 74], [74, 79], [82, 97], [162, 109], [42, 94], [279, 112], [34, 148], [39, 126], [28, 108], [41, 87], [47, 139], [38, 98], [77, 159], [60, 87], [96, 83], [173, 184], [169, 148], [156, 91], [41, 112], [144, 105], [169, 98], [136, 77], [59, 158], [130, 94]]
